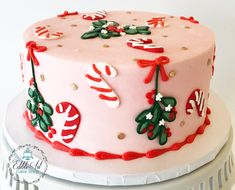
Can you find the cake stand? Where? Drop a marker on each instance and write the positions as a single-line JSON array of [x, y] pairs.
[[211, 167]]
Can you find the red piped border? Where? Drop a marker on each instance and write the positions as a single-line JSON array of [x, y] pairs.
[[101, 155]]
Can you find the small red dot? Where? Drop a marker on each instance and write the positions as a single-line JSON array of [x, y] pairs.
[[50, 135], [53, 131]]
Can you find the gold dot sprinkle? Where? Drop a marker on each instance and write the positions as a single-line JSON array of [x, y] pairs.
[[74, 86], [184, 48], [42, 77], [208, 62], [121, 136], [128, 12], [164, 36], [135, 19], [48, 25], [59, 45], [172, 17], [135, 59], [106, 46], [74, 25], [62, 18], [182, 123], [187, 27], [172, 74]]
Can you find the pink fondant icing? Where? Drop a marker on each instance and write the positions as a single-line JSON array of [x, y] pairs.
[[101, 124]]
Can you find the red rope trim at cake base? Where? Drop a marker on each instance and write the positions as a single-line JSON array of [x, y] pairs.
[[101, 155]]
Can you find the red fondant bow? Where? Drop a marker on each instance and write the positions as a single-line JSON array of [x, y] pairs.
[[157, 21], [32, 46], [66, 13], [160, 61], [191, 19]]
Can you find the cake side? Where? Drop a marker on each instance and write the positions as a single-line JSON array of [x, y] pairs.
[[95, 123]]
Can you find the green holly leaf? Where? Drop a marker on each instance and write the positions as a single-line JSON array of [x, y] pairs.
[[131, 31], [48, 109], [156, 114], [115, 34], [142, 127], [31, 93], [169, 100], [163, 136], [126, 27], [102, 22], [46, 119], [40, 98], [43, 126], [142, 116], [34, 121], [97, 24], [155, 133], [89, 35], [104, 36], [142, 28], [29, 105], [169, 116], [34, 108], [144, 32]]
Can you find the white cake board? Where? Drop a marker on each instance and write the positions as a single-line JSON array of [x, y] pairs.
[[118, 172], [217, 175]]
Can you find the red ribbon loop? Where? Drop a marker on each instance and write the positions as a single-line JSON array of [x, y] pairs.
[[191, 19], [32, 46], [160, 61]]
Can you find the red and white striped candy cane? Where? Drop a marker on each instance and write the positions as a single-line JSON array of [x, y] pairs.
[[158, 22], [96, 16], [72, 121], [96, 82], [144, 44], [196, 100], [43, 33]]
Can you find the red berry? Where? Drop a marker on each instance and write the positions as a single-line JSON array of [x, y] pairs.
[[150, 127], [50, 135], [150, 134], [39, 111], [144, 130], [31, 82], [53, 131]]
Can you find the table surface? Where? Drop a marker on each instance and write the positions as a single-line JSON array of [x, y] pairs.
[[219, 16]]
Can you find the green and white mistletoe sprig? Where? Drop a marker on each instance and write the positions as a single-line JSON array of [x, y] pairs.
[[107, 29], [153, 120]]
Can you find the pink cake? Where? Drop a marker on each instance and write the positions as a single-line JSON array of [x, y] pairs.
[[118, 85]]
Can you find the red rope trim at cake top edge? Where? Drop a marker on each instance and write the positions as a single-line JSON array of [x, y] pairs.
[[101, 155]]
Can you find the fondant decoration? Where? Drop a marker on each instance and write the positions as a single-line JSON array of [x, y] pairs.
[[127, 156], [32, 46], [96, 82], [66, 13], [158, 62], [72, 122], [144, 44], [153, 120], [158, 22], [40, 109], [150, 96], [22, 66], [196, 100], [51, 132], [190, 19], [96, 16], [107, 29], [43, 33]]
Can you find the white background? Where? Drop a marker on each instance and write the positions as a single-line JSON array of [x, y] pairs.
[[17, 15]]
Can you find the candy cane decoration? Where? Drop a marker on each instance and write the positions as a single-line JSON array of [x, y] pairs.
[[144, 44], [96, 82], [196, 99], [96, 16], [43, 33], [72, 122], [158, 22]]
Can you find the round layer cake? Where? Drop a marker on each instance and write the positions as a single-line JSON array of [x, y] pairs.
[[118, 85]]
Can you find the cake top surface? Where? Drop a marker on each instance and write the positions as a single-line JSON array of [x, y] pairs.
[[181, 39]]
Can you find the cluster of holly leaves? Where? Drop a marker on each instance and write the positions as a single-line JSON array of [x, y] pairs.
[[152, 120], [153, 126], [107, 29], [40, 110]]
